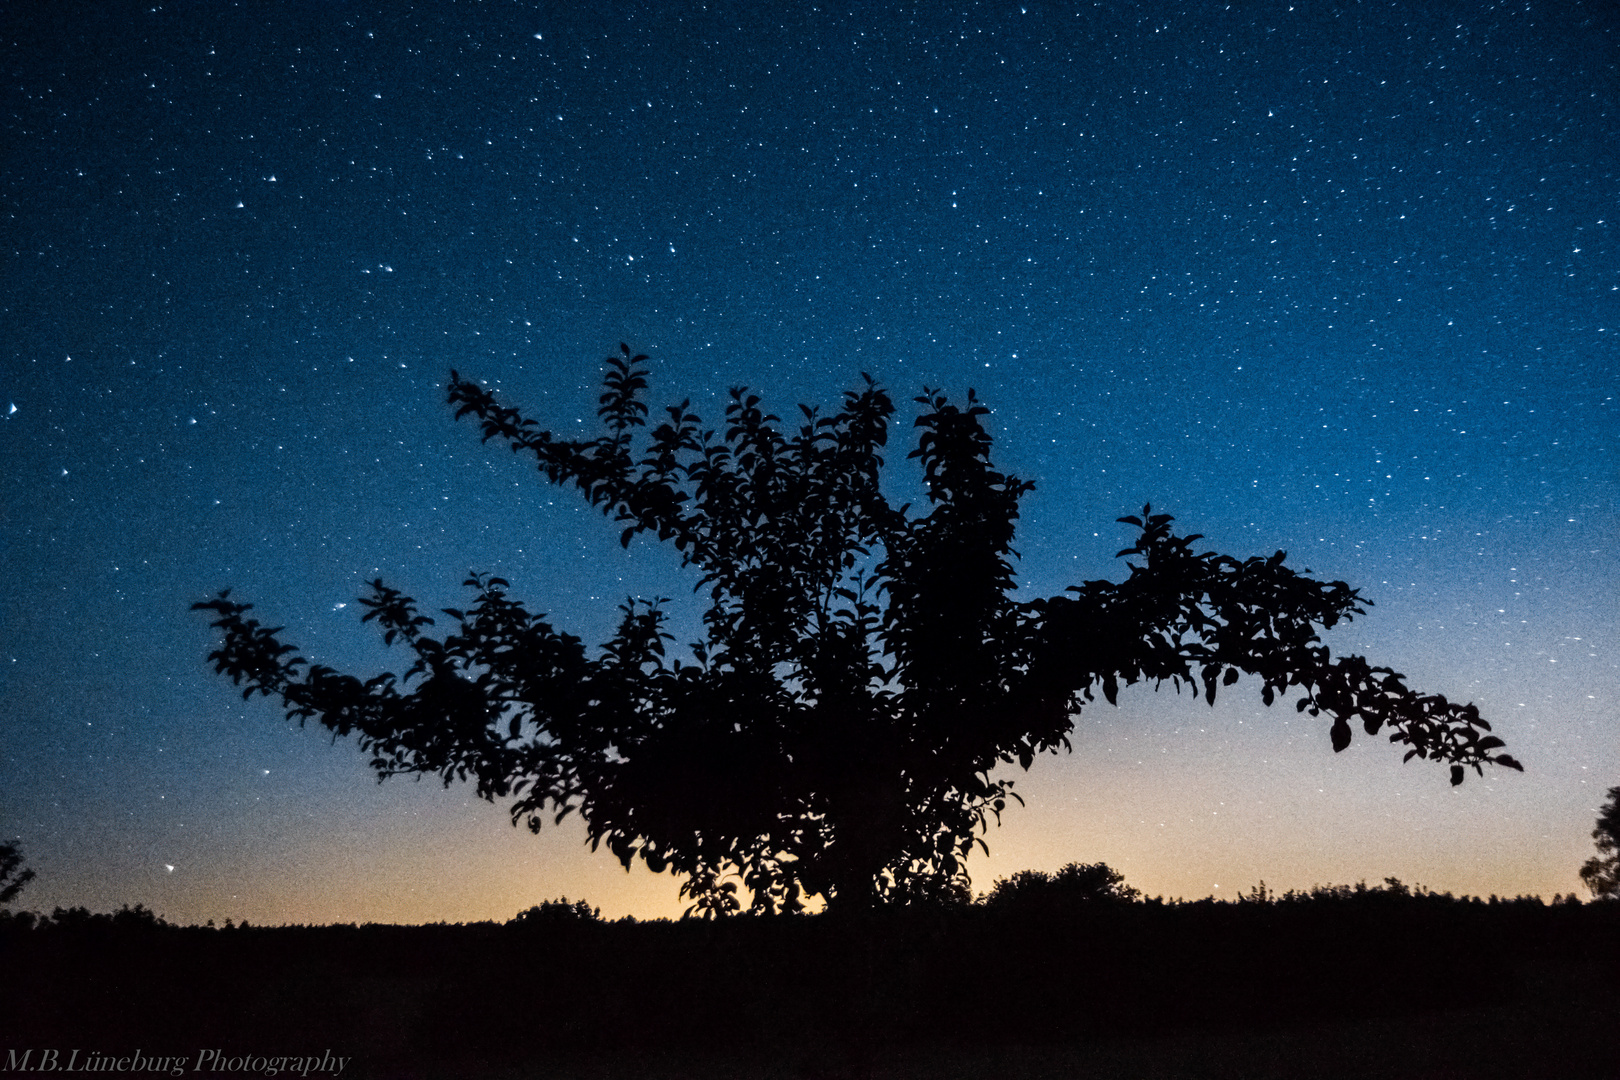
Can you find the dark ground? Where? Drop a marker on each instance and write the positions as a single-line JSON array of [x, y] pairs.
[[1367, 983]]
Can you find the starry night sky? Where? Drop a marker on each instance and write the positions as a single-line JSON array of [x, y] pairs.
[[1335, 279]]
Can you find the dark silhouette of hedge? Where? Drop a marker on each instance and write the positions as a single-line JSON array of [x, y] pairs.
[[864, 667]]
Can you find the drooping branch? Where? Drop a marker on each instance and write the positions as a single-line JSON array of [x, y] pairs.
[[1188, 618]]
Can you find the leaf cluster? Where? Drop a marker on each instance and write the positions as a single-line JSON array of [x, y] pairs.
[[13, 874]]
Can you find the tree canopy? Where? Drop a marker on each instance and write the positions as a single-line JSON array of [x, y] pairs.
[[1602, 871], [864, 667], [1032, 892]]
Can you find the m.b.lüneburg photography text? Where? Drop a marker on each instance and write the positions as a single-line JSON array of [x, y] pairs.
[[38, 1060]]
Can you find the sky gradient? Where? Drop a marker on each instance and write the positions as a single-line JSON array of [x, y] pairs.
[[1335, 279]]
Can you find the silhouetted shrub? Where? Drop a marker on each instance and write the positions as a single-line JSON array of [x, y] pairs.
[[558, 911], [1075, 884]]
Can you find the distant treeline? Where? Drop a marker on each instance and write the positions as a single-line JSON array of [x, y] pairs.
[[1037, 962]]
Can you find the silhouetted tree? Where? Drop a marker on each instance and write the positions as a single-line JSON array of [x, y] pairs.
[[864, 668], [1034, 892], [13, 875], [1602, 871], [551, 912]]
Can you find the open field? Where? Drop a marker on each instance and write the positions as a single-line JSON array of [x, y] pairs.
[[1361, 984]]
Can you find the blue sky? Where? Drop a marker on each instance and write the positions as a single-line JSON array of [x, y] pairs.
[[1336, 281]]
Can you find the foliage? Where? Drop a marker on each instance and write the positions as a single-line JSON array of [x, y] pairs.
[[558, 911], [13, 875], [864, 667], [1602, 871], [1031, 891], [127, 919]]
